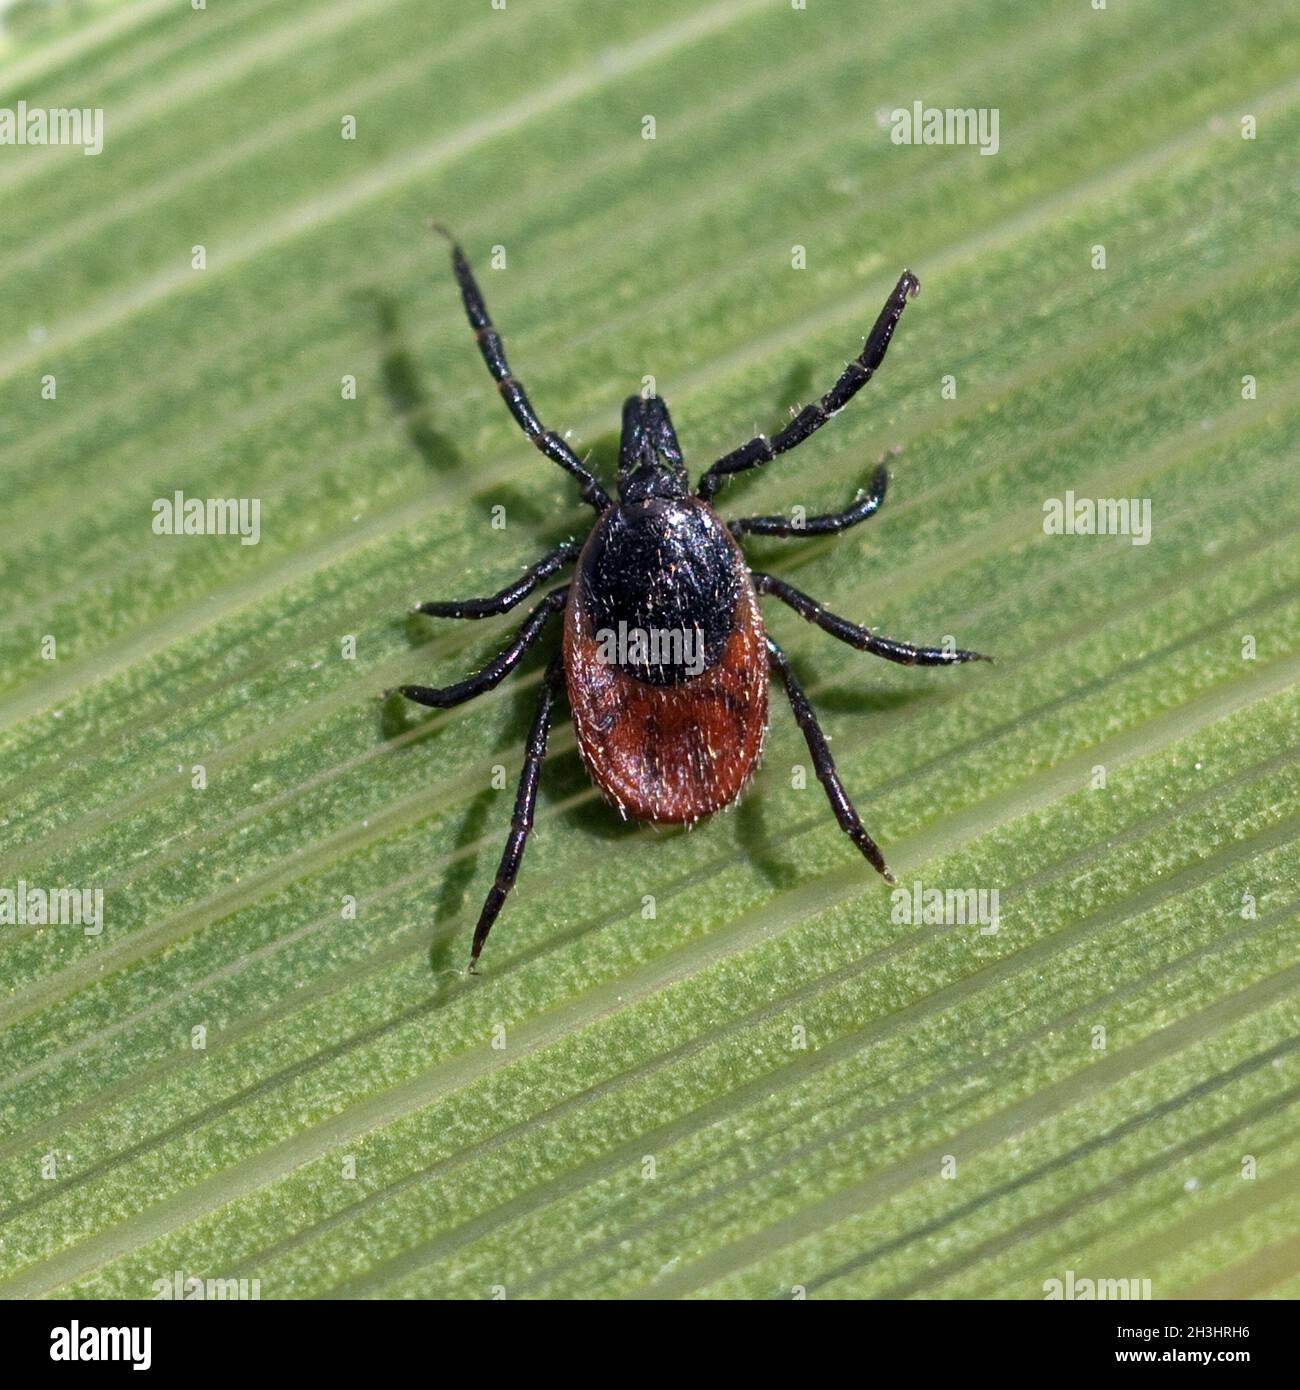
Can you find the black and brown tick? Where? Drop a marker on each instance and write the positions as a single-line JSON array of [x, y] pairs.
[[667, 739]]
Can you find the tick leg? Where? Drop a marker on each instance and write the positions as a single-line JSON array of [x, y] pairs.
[[522, 820], [855, 636], [441, 697], [867, 504], [509, 596], [489, 344], [824, 764], [811, 418]]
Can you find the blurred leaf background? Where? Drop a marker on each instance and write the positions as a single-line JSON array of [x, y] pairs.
[[349, 1127]]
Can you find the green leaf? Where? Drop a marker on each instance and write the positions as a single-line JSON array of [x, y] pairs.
[[708, 1064]]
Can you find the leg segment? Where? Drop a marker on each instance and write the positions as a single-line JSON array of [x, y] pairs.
[[867, 504], [522, 820], [512, 594], [811, 418], [489, 344], [856, 636], [442, 697], [824, 765]]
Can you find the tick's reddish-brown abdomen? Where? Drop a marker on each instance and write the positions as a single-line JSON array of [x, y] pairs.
[[676, 752]]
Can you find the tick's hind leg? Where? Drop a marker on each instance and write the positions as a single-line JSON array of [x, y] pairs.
[[512, 594], [442, 697], [824, 764], [856, 636], [494, 354], [521, 822], [866, 505]]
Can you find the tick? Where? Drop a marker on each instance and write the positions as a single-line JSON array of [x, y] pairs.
[[665, 660]]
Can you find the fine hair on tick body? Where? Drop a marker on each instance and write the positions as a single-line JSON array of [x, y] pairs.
[[664, 738]]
